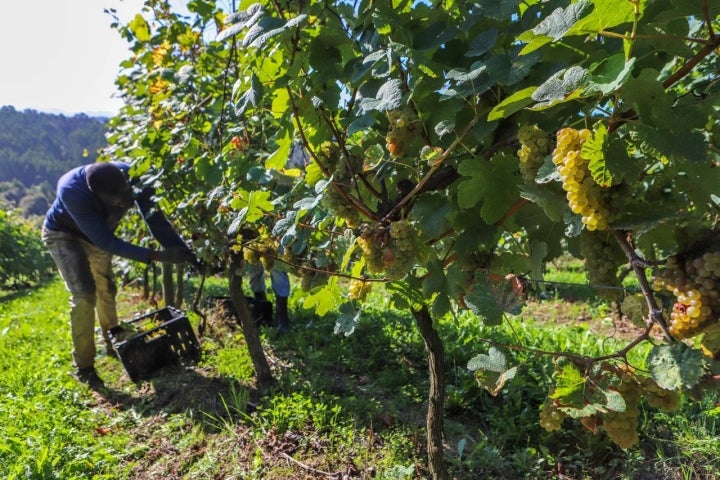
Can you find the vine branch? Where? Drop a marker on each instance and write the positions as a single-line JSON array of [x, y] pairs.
[[435, 167], [638, 265]]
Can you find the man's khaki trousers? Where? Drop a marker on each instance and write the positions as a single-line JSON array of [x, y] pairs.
[[88, 276]]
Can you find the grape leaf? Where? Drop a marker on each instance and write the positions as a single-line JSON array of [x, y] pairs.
[[560, 87], [251, 96], [491, 298], [140, 28], [593, 152], [561, 20], [348, 319], [324, 299], [482, 43], [554, 26], [389, 97], [604, 15], [493, 182], [569, 384], [432, 211], [608, 75], [491, 370], [515, 102], [676, 366]]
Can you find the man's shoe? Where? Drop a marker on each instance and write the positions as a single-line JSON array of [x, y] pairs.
[[89, 376]]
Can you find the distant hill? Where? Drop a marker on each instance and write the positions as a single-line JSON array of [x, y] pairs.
[[39, 147]]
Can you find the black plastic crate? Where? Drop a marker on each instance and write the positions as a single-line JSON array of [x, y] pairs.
[[158, 339], [261, 310]]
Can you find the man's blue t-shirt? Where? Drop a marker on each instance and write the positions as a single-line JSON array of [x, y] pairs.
[[79, 211]]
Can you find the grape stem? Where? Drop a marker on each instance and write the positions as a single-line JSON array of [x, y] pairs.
[[638, 266], [319, 270], [356, 204]]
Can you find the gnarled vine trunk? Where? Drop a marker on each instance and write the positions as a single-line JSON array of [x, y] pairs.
[[436, 398], [263, 374], [168, 285]]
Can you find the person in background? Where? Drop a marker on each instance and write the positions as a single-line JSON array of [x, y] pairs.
[[79, 233], [280, 282]]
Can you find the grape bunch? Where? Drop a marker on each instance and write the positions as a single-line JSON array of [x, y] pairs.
[[403, 129], [392, 250], [583, 194], [260, 250], [658, 397], [602, 256], [621, 427], [359, 289], [339, 207], [551, 417], [693, 282], [400, 255], [534, 147], [370, 242]]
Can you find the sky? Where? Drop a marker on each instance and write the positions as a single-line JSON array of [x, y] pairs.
[[61, 56]]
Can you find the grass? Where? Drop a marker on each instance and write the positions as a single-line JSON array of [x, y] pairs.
[[350, 406]]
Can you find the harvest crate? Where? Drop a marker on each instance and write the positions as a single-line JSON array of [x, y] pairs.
[[157, 339], [261, 309]]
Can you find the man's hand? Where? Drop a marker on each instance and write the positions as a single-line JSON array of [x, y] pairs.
[[178, 255]]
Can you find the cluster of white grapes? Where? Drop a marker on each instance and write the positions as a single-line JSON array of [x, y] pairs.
[[583, 194], [694, 284]]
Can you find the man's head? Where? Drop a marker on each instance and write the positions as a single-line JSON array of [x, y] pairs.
[[110, 184]]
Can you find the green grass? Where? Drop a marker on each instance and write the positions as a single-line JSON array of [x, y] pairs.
[[354, 404]]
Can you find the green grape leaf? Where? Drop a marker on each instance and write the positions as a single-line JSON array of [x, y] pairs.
[[496, 9], [140, 28], [482, 42], [676, 366], [561, 20], [609, 74], [552, 204], [279, 158], [548, 172], [360, 124], [538, 252], [491, 370], [570, 385], [604, 15], [593, 152], [562, 86], [389, 97], [324, 299], [432, 211], [554, 26], [514, 103], [434, 281], [252, 96], [348, 319], [267, 28], [493, 182], [240, 20], [492, 297], [440, 305]]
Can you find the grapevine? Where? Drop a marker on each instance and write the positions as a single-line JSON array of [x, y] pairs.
[[583, 194], [693, 282], [534, 147]]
